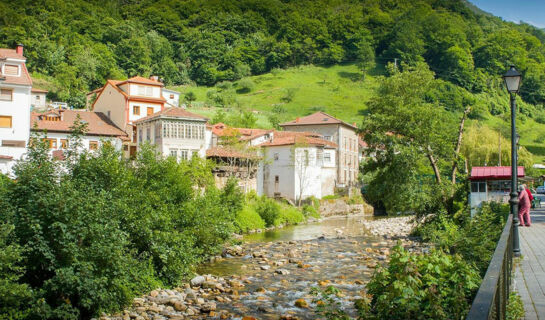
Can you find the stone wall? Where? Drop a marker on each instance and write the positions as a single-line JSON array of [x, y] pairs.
[[336, 207]]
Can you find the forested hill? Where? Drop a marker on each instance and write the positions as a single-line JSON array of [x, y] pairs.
[[75, 45]]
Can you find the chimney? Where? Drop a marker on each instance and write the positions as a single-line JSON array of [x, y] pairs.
[[154, 78], [19, 49], [297, 120]]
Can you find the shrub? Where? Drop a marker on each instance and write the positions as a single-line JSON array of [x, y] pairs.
[[310, 211], [289, 214], [248, 219], [245, 86], [422, 286], [268, 210]]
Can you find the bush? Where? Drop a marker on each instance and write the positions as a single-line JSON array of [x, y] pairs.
[[248, 219], [245, 86], [422, 286], [310, 211], [289, 214], [268, 210]]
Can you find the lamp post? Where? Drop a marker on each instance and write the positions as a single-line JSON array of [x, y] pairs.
[[512, 81]]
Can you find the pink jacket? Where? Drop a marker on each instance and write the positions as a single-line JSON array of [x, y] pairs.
[[524, 201]]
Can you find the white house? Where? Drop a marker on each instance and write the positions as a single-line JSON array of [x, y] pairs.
[[341, 133], [126, 101], [297, 165], [38, 101], [15, 101], [56, 125], [172, 97], [174, 132]]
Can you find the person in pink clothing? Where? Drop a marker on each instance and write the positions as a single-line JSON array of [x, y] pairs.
[[524, 207]]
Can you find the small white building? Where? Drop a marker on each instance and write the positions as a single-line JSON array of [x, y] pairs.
[[297, 165], [38, 101], [15, 101], [172, 97], [175, 132], [56, 125], [490, 184]]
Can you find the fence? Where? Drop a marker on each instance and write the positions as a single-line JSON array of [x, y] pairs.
[[491, 299]]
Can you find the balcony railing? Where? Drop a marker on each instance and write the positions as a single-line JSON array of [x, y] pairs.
[[491, 299]]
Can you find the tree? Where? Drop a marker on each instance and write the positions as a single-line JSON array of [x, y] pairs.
[[189, 97], [301, 161], [406, 132]]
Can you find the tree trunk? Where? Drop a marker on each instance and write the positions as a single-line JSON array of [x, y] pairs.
[[433, 163], [459, 144]]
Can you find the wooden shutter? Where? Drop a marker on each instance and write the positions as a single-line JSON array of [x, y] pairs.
[[150, 111], [11, 70], [5, 121]]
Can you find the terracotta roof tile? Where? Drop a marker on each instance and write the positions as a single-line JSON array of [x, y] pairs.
[[172, 112], [227, 152], [24, 79], [5, 157], [317, 118], [98, 123], [10, 54], [39, 90], [292, 138], [139, 79]]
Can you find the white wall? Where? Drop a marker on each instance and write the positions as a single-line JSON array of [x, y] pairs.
[[19, 110], [38, 103], [156, 90], [143, 109], [175, 101], [116, 142]]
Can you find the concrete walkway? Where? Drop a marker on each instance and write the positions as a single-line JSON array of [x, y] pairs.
[[530, 272]]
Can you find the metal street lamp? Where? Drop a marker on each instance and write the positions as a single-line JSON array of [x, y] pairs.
[[512, 81]]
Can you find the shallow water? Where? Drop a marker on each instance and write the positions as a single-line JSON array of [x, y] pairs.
[[331, 252]]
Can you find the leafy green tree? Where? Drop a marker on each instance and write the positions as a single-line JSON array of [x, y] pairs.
[[189, 97]]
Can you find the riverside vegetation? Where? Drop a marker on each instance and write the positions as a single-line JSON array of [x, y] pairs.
[[86, 235]]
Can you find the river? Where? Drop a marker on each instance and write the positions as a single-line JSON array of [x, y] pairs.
[[270, 275], [337, 251]]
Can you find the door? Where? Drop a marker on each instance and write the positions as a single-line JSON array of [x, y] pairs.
[[132, 152]]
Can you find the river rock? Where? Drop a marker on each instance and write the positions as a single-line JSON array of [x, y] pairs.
[[282, 271], [301, 303], [197, 281], [265, 267], [208, 307]]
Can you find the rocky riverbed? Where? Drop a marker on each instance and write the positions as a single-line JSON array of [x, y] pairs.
[[272, 279]]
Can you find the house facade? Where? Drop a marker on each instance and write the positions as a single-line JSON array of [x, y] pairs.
[[343, 134], [174, 132], [172, 97], [15, 102], [125, 102], [56, 126], [38, 100], [297, 166]]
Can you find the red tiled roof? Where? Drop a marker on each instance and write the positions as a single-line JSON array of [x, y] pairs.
[[39, 90], [221, 129], [227, 152], [294, 137], [317, 118], [5, 157], [481, 173], [139, 79], [98, 123], [362, 143], [172, 112], [10, 54]]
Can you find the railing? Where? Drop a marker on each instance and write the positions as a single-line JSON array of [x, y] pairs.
[[491, 299]]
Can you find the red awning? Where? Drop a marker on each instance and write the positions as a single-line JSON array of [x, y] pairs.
[[483, 173]]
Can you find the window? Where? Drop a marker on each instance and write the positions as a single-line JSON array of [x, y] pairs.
[[157, 130], [136, 110], [140, 133], [126, 147], [150, 111], [11, 70], [327, 138], [327, 157], [184, 154], [148, 134], [64, 143], [6, 94], [93, 145], [5, 121], [52, 143], [478, 186], [174, 152], [275, 156], [37, 97], [14, 143], [149, 91], [141, 90], [276, 179], [171, 96]]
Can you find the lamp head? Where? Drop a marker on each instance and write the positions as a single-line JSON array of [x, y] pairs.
[[512, 79]]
